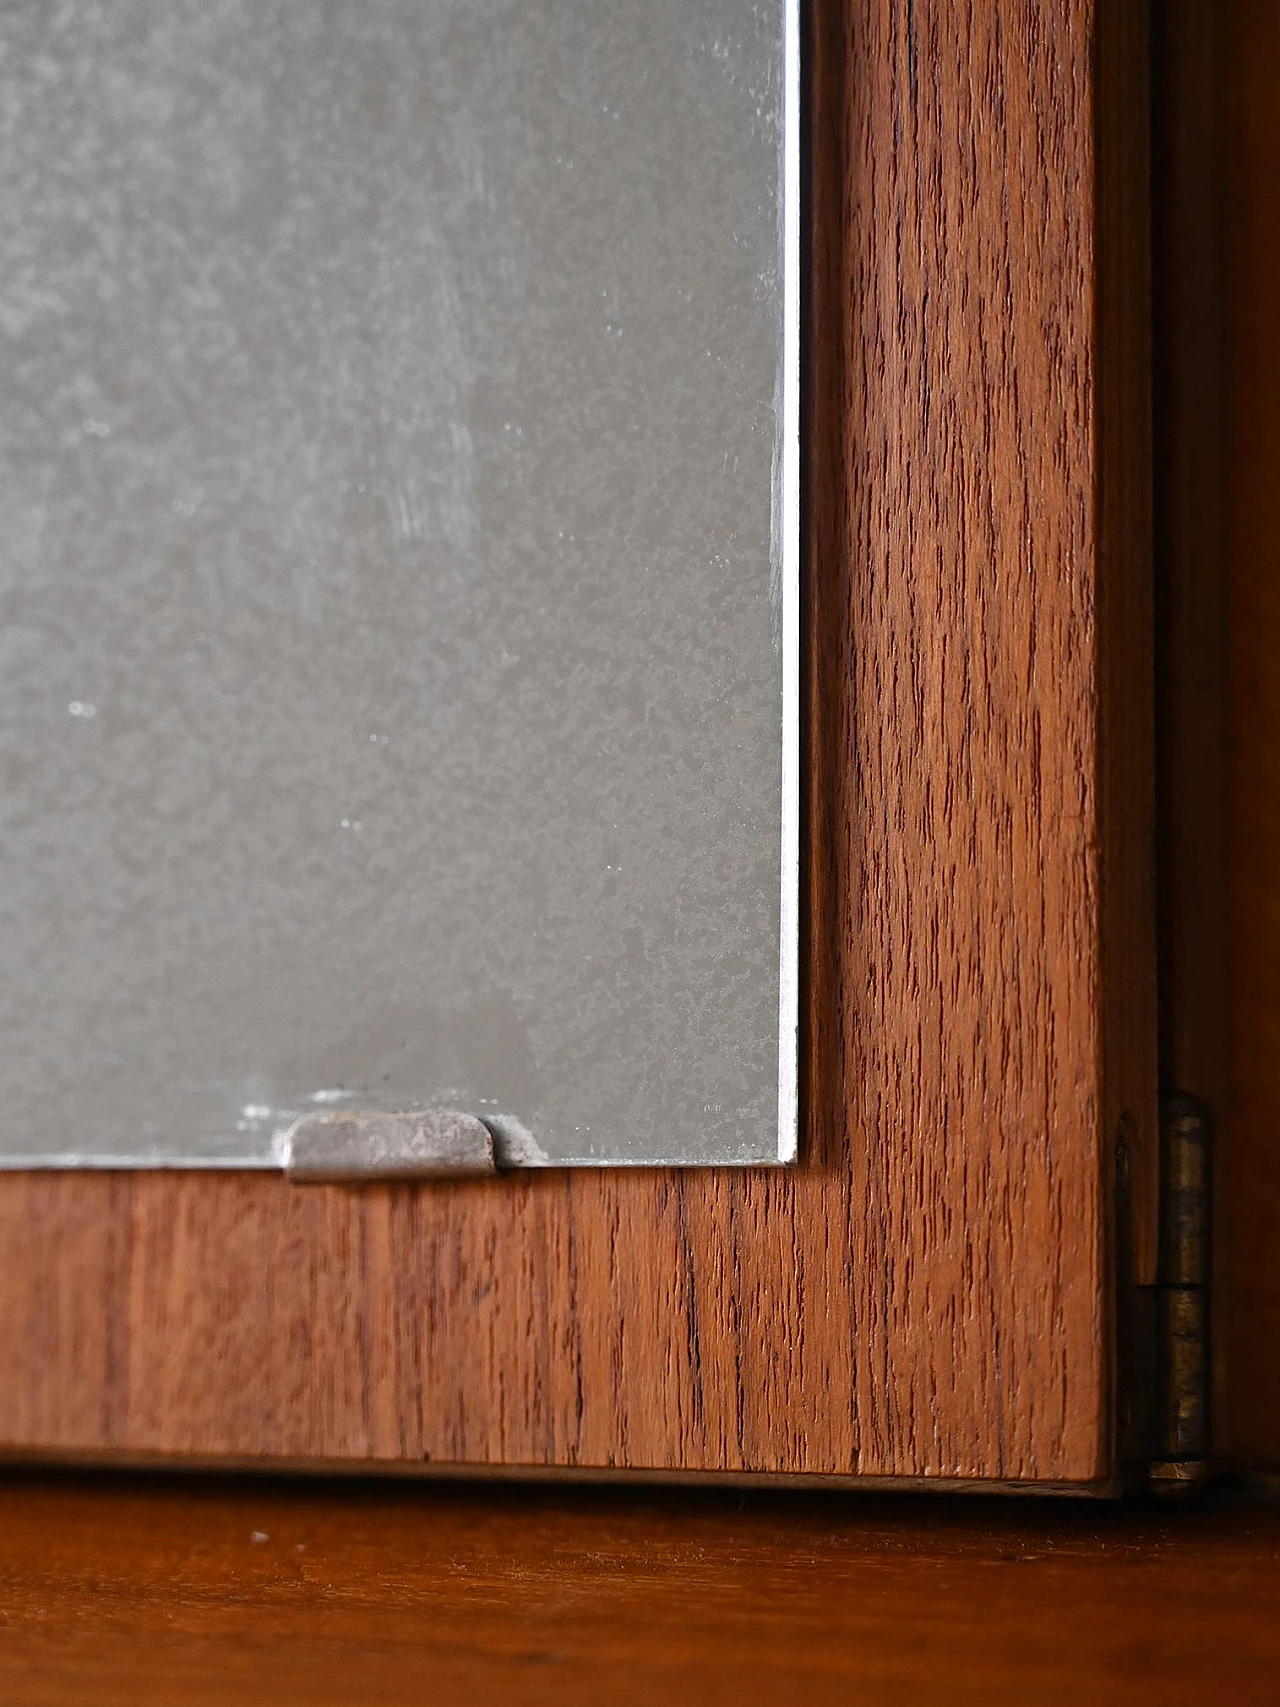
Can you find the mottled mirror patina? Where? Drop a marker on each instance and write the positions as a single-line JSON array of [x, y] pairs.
[[398, 547]]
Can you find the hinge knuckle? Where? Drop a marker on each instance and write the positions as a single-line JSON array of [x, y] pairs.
[[1180, 1317]]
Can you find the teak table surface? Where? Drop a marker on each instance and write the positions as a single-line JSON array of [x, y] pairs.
[[151, 1590]]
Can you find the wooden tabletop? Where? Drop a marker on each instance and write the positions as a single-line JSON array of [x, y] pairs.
[[152, 1590]]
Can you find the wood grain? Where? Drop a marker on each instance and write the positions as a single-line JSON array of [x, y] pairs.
[[928, 1294], [1250, 153], [183, 1594]]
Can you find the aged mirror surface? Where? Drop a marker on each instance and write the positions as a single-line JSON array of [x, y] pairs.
[[398, 479]]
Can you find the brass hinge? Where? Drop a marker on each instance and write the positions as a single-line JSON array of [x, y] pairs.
[[1166, 1420]]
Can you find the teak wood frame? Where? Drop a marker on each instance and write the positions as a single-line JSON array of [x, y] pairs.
[[928, 1295]]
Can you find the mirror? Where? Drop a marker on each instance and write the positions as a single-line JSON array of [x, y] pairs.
[[399, 540]]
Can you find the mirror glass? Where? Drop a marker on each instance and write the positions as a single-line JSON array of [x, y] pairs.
[[398, 531]]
